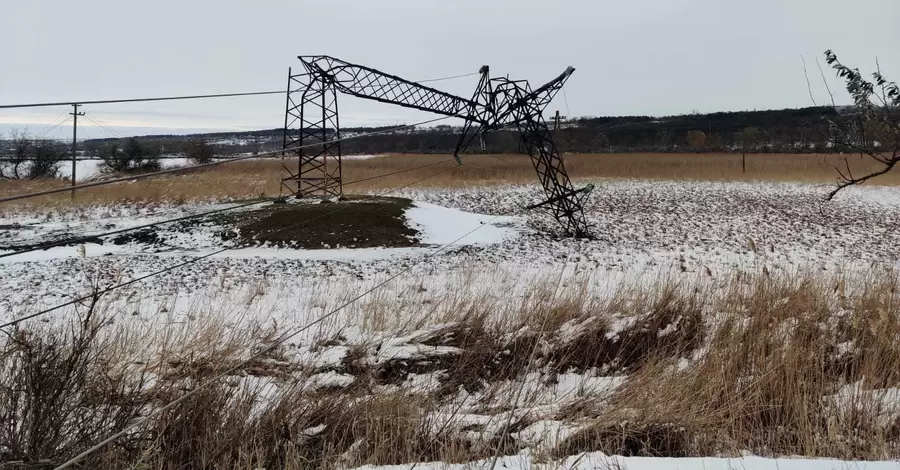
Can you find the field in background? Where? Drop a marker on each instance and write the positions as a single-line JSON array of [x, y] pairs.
[[259, 178]]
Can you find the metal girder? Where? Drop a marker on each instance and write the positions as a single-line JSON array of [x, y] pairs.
[[564, 201], [369, 83], [312, 129], [496, 103]]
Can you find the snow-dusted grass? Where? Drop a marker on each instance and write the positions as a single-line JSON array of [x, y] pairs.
[[707, 320], [759, 364]]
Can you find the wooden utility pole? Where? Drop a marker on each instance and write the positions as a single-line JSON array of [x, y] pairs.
[[556, 122], [74, 114]]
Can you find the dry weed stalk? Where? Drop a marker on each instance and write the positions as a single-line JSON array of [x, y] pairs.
[[775, 365]]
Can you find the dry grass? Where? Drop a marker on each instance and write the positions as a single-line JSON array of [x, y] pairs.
[[762, 383], [753, 366], [260, 178]]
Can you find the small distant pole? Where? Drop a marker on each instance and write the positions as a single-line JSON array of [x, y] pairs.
[[556, 122], [75, 114]]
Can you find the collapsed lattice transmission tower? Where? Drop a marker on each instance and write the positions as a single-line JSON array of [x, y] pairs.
[[312, 128]]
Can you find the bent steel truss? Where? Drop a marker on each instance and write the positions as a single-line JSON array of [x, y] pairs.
[[312, 130]]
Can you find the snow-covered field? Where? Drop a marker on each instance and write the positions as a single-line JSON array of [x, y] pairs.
[[478, 242], [641, 228]]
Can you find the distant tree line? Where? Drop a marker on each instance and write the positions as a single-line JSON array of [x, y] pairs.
[[803, 130]]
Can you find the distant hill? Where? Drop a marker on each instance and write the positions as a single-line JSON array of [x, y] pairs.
[[785, 130]]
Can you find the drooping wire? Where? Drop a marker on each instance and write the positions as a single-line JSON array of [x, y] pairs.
[[138, 100], [97, 123], [199, 258], [51, 128], [566, 99], [447, 78], [88, 238], [262, 353], [202, 165], [62, 118]]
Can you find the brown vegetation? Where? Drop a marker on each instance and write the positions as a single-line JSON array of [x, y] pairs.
[[260, 178], [757, 367]]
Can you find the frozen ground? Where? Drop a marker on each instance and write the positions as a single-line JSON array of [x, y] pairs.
[[646, 230], [642, 227]]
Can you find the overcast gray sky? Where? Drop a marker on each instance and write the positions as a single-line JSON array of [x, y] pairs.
[[656, 57]]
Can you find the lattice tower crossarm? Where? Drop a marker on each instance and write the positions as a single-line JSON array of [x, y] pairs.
[[311, 121]]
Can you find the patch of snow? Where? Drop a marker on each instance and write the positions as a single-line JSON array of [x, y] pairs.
[[619, 324], [319, 358], [313, 431], [883, 403], [84, 169], [330, 379], [390, 352], [441, 225], [546, 434], [86, 250], [598, 460]]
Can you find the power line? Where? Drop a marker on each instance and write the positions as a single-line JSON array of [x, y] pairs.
[[203, 165], [566, 98], [54, 124], [42, 135], [138, 100], [278, 342], [101, 126], [392, 173], [448, 78], [196, 259], [88, 238]]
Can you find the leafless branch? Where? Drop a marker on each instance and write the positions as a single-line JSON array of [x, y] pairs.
[[856, 181], [825, 81], [808, 85]]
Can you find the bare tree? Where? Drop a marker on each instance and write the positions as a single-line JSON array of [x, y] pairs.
[[132, 156], [199, 151], [28, 158], [872, 128], [15, 156]]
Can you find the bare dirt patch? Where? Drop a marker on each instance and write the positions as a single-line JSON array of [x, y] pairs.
[[348, 223]]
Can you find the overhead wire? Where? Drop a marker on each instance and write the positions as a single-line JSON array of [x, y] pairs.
[[202, 165], [43, 134], [447, 78], [91, 237], [197, 259], [97, 123], [54, 124], [88, 238], [261, 353], [138, 100], [566, 99]]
